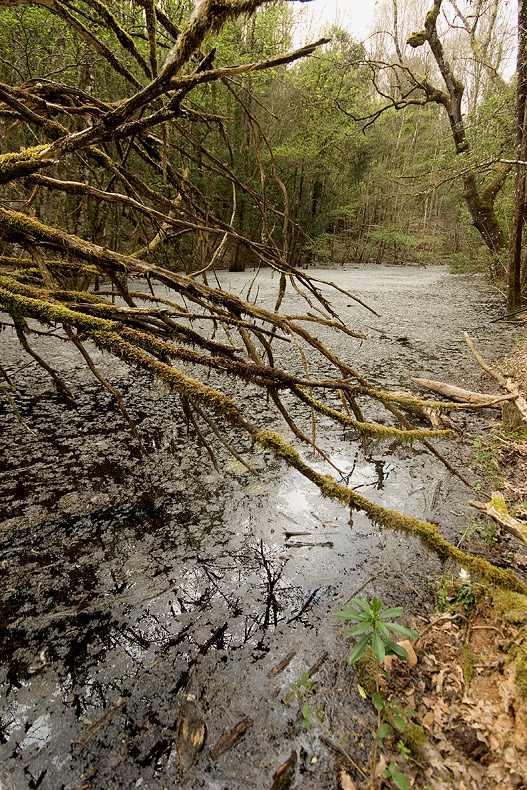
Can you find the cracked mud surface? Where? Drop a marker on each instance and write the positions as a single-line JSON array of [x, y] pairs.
[[138, 593]]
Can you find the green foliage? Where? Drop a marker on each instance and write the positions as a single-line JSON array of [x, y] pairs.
[[463, 263], [306, 714], [481, 530], [454, 594], [374, 626], [399, 779], [393, 244], [486, 461], [301, 688]]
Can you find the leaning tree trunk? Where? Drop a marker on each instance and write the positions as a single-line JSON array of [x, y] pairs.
[[480, 200], [515, 274]]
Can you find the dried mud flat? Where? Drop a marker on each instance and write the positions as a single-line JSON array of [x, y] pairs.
[[154, 614]]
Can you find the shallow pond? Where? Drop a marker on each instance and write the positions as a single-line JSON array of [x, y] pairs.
[[140, 593]]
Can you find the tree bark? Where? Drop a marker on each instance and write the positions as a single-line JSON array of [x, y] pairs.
[[515, 275], [462, 395], [480, 202]]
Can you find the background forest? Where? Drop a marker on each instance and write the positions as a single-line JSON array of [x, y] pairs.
[[354, 133]]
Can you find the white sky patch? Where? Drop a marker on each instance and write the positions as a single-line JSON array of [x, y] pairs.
[[356, 16]]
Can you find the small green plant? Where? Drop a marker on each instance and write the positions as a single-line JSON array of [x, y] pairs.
[[454, 593], [399, 779], [375, 627], [306, 716], [481, 530], [403, 748], [301, 688], [306, 686], [486, 461]]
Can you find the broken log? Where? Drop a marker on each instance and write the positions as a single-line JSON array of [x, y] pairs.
[[497, 510], [468, 397], [284, 776]]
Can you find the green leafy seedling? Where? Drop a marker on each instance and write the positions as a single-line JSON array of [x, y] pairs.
[[300, 688], [304, 685], [399, 779], [306, 716], [374, 627]]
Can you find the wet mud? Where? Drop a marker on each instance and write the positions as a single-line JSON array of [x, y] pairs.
[[150, 605]]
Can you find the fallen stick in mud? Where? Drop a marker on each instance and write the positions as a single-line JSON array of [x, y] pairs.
[[231, 738], [497, 510], [98, 725]]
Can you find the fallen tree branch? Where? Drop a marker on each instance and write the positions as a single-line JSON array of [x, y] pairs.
[[497, 510], [519, 400], [467, 397]]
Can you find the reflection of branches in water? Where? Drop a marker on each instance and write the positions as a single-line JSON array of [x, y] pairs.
[[223, 577], [211, 584], [382, 470], [233, 604], [217, 640], [305, 607], [347, 476], [273, 577]]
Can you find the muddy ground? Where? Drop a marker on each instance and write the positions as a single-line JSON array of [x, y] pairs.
[[147, 600]]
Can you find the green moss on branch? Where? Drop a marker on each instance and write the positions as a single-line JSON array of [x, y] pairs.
[[426, 532], [21, 163], [381, 432]]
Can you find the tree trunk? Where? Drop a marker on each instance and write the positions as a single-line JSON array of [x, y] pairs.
[[480, 202], [515, 275]]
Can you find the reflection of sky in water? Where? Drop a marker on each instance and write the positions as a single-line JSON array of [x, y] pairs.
[[298, 495], [367, 473], [39, 732], [296, 500]]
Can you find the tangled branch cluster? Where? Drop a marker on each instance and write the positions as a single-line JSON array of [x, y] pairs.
[[126, 154]]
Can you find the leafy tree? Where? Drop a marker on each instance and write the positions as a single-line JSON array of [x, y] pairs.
[[438, 78]]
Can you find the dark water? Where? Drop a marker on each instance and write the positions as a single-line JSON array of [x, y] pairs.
[[135, 590]]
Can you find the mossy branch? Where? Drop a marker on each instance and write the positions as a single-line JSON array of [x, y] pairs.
[[374, 431], [390, 519]]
